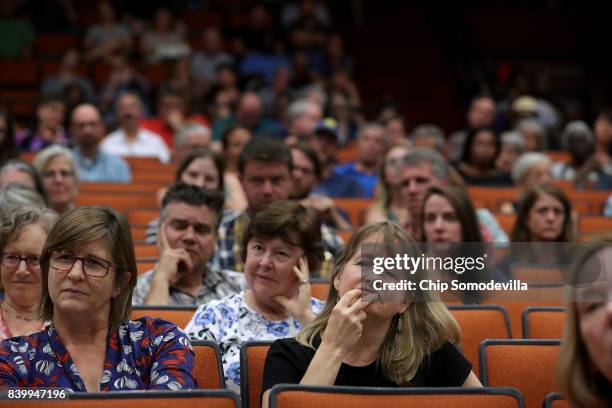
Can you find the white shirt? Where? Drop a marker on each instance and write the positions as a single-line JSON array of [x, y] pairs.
[[146, 144]]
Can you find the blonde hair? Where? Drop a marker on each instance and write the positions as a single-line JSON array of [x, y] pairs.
[[577, 378], [414, 334]]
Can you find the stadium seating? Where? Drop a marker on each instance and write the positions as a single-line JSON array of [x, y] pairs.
[[528, 365], [252, 360], [207, 366], [300, 396]]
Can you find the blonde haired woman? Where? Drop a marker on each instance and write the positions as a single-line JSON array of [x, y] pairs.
[[584, 371], [360, 342]]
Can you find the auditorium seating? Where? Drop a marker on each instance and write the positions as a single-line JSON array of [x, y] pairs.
[[179, 315], [528, 365], [543, 322], [145, 250], [319, 289], [252, 361], [301, 396], [355, 207], [135, 399], [145, 264], [477, 324], [121, 202], [142, 216]]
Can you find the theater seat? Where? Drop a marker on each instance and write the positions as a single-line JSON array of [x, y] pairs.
[[543, 322], [301, 396], [554, 400], [252, 360], [179, 315], [208, 369]]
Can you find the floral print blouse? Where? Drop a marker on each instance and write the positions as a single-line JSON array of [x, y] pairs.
[[141, 354], [231, 322]]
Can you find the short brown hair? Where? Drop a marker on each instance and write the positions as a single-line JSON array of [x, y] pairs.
[[78, 228], [521, 233], [285, 220]]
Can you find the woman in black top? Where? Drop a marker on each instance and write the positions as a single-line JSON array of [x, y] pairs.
[[477, 166], [404, 339]]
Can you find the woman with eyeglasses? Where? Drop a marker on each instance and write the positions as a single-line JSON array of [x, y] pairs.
[[22, 236], [57, 167], [88, 271]]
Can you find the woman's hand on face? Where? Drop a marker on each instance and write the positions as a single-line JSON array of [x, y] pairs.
[[298, 305], [345, 324]]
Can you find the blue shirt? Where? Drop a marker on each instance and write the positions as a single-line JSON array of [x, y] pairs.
[[141, 354], [367, 181], [103, 168], [339, 186]]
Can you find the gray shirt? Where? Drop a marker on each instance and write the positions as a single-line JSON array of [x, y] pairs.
[[216, 284]]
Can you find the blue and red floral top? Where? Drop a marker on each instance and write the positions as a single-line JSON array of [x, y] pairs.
[[141, 354]]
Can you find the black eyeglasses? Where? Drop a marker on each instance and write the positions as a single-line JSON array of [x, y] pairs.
[[92, 266], [13, 260]]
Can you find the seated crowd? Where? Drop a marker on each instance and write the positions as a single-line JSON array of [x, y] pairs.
[[260, 159]]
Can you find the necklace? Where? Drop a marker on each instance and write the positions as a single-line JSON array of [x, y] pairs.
[[15, 314]]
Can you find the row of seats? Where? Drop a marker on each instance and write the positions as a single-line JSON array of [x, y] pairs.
[[300, 396], [527, 365]]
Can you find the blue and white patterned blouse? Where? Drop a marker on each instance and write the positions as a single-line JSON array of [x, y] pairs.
[[141, 354], [231, 322]]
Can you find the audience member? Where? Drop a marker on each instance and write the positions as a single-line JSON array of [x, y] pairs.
[[8, 149], [480, 114], [303, 117], [165, 39], [233, 141], [579, 141], [57, 167], [131, 140], [204, 63], [358, 341], [249, 115], [22, 172], [512, 146], [422, 168], [306, 174], [87, 131], [191, 137], [68, 75], [390, 206], [480, 152], [172, 116], [186, 239], [282, 243], [90, 344], [108, 36], [534, 135], [48, 127], [396, 130], [264, 168], [531, 170], [584, 372], [343, 113], [23, 231], [371, 147], [603, 137], [429, 136]]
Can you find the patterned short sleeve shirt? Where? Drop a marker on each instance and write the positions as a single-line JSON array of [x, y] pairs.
[[141, 354]]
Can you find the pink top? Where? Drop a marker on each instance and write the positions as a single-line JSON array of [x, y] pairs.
[[5, 332]]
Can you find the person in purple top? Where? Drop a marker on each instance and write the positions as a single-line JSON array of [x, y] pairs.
[[88, 274], [47, 129]]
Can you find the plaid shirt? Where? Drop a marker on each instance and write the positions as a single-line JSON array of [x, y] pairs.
[[216, 284], [228, 252]]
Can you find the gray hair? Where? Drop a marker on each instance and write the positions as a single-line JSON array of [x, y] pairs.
[[574, 128], [186, 131], [536, 127], [418, 155], [319, 90], [515, 139], [427, 131], [298, 107], [525, 162], [15, 218], [51, 152], [15, 195]]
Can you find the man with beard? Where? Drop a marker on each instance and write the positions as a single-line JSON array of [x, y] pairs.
[[186, 241], [130, 139], [371, 147], [87, 131]]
